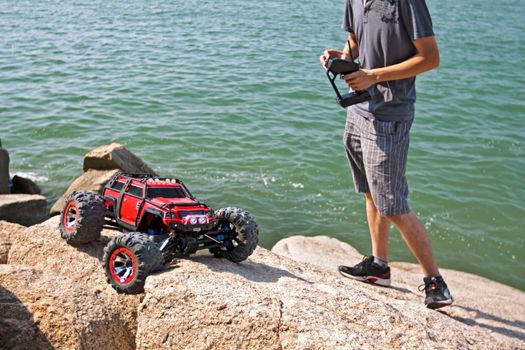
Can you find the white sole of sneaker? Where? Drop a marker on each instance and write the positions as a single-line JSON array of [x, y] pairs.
[[385, 282]]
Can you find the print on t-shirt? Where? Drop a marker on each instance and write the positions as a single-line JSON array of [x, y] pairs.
[[387, 9]]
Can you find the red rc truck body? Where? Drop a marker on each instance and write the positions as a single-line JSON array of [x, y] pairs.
[[155, 205], [161, 221]]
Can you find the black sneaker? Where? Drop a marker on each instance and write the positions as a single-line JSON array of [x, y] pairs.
[[367, 271], [436, 292]]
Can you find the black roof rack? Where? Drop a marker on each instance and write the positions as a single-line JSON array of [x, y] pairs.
[[142, 177], [139, 176]]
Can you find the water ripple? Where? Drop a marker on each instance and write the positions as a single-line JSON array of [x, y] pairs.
[[230, 97]]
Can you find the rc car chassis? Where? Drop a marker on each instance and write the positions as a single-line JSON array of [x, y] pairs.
[[161, 221]]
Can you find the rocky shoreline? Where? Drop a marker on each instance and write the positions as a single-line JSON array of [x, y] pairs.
[[53, 295], [20, 199]]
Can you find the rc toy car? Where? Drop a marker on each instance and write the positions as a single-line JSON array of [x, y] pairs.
[[161, 221]]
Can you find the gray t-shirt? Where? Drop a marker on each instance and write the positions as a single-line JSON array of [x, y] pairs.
[[385, 30]]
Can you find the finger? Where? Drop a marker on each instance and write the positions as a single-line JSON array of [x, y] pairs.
[[357, 87], [352, 84], [329, 53], [348, 78]]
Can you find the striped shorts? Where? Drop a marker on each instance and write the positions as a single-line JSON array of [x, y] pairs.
[[377, 152]]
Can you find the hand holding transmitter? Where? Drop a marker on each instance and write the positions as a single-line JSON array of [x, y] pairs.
[[338, 66]]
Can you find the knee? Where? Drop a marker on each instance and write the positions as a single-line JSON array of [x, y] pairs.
[[393, 218], [398, 218]]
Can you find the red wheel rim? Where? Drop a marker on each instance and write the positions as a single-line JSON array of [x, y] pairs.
[[70, 216], [122, 265]]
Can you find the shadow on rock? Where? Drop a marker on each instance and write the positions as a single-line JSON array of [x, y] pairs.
[[248, 269], [95, 248], [402, 290], [18, 329], [498, 324]]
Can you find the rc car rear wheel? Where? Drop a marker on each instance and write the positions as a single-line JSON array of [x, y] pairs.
[[129, 259], [82, 218], [243, 230]]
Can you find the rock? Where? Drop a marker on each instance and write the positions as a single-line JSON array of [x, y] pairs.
[[41, 247], [8, 231], [322, 251], [266, 302], [115, 156], [484, 305], [91, 181], [42, 310], [272, 302], [23, 209], [4, 170], [25, 186], [100, 165]]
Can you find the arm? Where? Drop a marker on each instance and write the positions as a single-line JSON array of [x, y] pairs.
[[345, 54], [426, 58]]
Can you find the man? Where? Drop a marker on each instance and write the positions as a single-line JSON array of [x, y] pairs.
[[394, 41]]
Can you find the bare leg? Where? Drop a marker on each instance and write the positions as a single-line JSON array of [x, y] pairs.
[[417, 240], [379, 227]]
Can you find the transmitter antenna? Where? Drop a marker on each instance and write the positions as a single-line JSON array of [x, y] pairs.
[[350, 49]]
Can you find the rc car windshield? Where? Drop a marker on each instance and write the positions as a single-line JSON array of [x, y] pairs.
[[165, 192]]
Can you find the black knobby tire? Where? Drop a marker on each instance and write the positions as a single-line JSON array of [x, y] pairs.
[[245, 228], [143, 257], [82, 218]]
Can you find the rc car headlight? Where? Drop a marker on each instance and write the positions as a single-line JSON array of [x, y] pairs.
[[193, 220], [202, 220]]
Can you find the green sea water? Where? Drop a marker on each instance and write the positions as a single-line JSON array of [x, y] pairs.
[[229, 97]]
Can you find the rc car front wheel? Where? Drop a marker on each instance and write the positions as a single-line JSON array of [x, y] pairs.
[[242, 228], [129, 259], [82, 218]]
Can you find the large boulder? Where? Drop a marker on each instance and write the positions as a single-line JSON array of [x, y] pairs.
[[115, 156], [100, 165], [322, 251], [272, 302], [4, 170], [496, 310], [41, 247], [23, 209], [8, 232], [42, 310], [90, 181], [266, 302]]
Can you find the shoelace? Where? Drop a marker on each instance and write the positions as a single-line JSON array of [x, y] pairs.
[[421, 287], [430, 286], [365, 262]]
